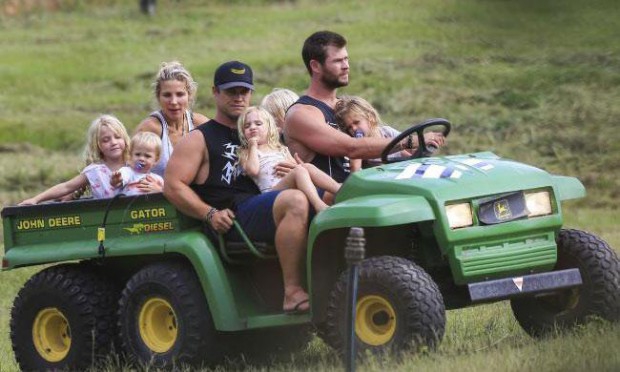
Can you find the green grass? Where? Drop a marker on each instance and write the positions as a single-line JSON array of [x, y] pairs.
[[535, 81]]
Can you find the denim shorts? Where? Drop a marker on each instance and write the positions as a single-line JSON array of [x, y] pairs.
[[255, 216]]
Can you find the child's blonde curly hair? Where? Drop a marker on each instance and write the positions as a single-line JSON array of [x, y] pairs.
[[347, 105], [92, 152], [273, 136], [278, 101]]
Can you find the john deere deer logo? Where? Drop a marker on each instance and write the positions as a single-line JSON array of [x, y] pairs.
[[136, 229], [502, 209]]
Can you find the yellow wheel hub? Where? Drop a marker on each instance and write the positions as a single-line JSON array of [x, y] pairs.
[[564, 301], [375, 322], [572, 298], [158, 325], [51, 334]]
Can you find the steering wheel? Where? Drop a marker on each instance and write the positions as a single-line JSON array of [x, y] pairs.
[[423, 150]]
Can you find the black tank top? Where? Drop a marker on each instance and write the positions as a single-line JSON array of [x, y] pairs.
[[337, 167], [227, 185]]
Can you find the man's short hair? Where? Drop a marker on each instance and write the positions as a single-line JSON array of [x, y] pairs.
[[316, 45]]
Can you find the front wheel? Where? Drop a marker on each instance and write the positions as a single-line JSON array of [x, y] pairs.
[[62, 319], [399, 307], [164, 318], [599, 295]]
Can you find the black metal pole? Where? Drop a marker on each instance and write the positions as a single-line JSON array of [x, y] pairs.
[[354, 254]]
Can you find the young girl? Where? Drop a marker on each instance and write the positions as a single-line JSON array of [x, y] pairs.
[[106, 151], [145, 153], [358, 118], [261, 150]]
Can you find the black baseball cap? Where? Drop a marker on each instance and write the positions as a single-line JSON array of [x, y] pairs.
[[233, 74]]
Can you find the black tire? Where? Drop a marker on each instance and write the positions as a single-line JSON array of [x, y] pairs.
[[399, 307], [176, 323], [598, 296], [62, 319]]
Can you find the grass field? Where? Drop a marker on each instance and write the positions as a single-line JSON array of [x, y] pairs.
[[536, 81], [532, 80]]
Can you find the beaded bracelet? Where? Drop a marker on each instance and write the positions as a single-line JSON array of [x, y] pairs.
[[210, 214]]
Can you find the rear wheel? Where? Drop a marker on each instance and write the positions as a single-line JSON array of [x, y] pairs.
[[164, 318], [63, 318], [599, 295], [399, 307]]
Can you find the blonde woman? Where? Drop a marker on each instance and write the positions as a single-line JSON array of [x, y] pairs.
[[175, 91]]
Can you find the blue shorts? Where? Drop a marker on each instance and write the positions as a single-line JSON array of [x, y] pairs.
[[255, 216]]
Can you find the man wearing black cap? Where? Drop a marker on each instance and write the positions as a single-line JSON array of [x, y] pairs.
[[204, 181]]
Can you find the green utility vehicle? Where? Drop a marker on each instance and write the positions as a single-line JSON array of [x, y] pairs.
[[135, 275]]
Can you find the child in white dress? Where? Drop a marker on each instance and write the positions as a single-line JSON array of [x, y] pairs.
[[106, 151], [261, 150]]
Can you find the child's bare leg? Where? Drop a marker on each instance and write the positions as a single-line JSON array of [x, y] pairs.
[[299, 178], [321, 179], [355, 164], [328, 198]]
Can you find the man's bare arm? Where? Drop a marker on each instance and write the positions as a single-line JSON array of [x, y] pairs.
[[187, 161], [307, 133]]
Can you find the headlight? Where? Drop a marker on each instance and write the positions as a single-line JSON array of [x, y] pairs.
[[459, 215], [538, 203]]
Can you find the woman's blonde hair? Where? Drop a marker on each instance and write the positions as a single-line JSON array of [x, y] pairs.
[[273, 136], [278, 101], [347, 105], [174, 70], [92, 152], [149, 139]]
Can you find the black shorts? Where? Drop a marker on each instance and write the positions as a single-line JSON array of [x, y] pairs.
[[255, 216]]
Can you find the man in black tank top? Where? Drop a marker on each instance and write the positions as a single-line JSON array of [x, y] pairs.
[[327, 61], [337, 167], [203, 181]]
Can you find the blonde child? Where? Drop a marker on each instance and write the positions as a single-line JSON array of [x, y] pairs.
[[358, 118], [277, 102], [145, 153], [261, 151], [106, 151]]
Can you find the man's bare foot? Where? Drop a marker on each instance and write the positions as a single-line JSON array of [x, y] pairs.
[[298, 302]]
